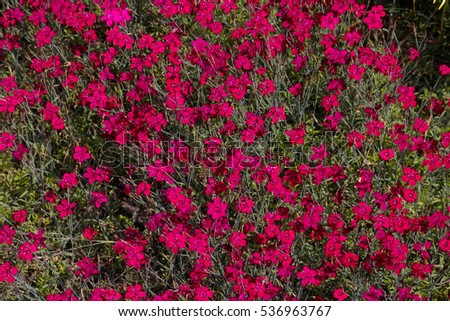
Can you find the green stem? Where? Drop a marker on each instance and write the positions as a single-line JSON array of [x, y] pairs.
[[444, 9]]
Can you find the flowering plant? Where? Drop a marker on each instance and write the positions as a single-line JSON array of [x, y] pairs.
[[225, 149]]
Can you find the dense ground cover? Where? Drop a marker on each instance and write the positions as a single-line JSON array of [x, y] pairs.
[[226, 150]]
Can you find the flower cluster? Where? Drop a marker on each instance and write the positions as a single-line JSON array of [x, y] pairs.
[[201, 150]]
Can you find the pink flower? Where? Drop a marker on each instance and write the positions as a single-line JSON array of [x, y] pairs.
[[174, 239], [413, 54], [118, 38], [26, 251], [296, 89], [103, 294], [244, 205], [143, 188], [445, 139], [444, 244], [20, 151], [350, 259], [405, 294], [116, 16], [287, 237], [37, 17], [355, 138], [352, 37], [44, 36], [319, 153], [135, 293], [387, 154], [89, 233], [50, 111], [329, 21], [363, 211], [100, 174], [420, 270], [355, 72], [444, 70], [38, 238], [381, 200], [98, 199], [81, 154], [420, 125], [132, 248], [406, 96], [340, 295], [307, 276], [135, 257], [6, 141], [411, 176], [68, 181], [373, 19], [266, 87], [237, 240], [7, 272], [333, 120], [373, 294], [20, 216], [11, 16], [58, 123], [8, 83], [64, 296], [86, 267], [203, 293], [6, 235], [272, 231], [50, 197], [217, 208], [296, 135], [374, 128], [409, 195], [65, 208]]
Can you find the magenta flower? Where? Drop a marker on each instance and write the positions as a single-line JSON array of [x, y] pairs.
[[411, 176], [68, 181], [340, 294], [329, 21], [116, 16], [203, 293], [103, 294], [244, 205], [373, 294], [64, 296], [296, 135], [20, 216], [413, 54], [86, 267], [373, 19], [387, 154], [135, 293], [20, 151], [6, 141], [26, 251], [44, 36], [7, 234], [217, 208], [308, 276], [7, 272], [81, 154], [65, 208], [444, 70], [98, 199], [89, 233], [409, 195], [237, 240]]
